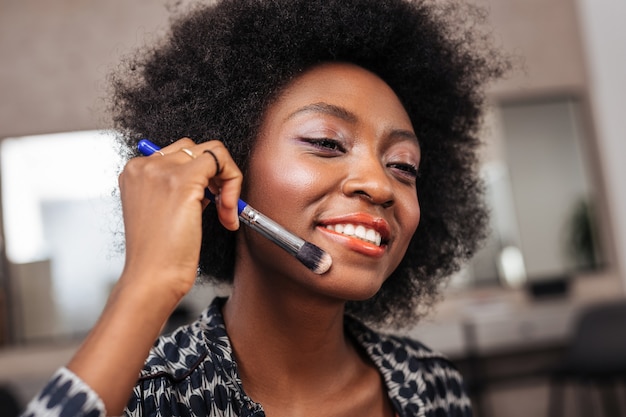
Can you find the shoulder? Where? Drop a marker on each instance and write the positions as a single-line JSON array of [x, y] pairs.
[[402, 351], [417, 377], [191, 371], [177, 354]]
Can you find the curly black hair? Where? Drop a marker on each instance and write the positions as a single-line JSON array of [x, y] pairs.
[[222, 64]]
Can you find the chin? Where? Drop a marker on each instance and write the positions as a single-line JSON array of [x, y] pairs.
[[354, 289]]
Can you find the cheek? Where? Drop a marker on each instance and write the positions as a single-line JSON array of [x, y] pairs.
[[411, 216], [282, 184], [299, 179]]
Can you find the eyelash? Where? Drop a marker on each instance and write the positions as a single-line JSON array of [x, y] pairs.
[[332, 145], [409, 169], [326, 144]]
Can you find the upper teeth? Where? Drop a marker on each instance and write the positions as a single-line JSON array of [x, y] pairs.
[[359, 231]]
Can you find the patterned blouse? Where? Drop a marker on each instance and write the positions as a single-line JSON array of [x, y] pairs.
[[192, 372]]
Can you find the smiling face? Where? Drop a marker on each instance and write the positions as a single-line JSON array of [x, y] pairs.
[[335, 163]]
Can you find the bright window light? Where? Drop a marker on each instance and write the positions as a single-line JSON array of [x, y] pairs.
[[61, 166]]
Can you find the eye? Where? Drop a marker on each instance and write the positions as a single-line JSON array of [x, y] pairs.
[[407, 171], [326, 145]]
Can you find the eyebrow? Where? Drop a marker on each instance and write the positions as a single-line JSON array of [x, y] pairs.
[[344, 114], [325, 108]]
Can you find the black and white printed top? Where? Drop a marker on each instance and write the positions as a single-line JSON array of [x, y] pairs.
[[192, 372]]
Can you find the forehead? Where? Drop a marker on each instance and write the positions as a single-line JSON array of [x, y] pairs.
[[345, 86]]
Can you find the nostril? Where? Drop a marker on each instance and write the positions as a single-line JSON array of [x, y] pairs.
[[365, 194]]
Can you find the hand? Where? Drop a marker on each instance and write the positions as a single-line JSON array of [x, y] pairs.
[[163, 198]]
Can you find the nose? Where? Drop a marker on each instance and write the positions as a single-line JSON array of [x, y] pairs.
[[369, 180]]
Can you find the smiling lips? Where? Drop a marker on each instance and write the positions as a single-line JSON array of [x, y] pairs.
[[359, 231], [373, 233]]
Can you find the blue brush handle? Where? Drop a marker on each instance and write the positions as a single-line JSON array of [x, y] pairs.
[[147, 148]]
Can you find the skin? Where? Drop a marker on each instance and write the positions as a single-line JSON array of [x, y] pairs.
[[335, 147]]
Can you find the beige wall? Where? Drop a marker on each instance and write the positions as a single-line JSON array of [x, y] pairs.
[[55, 54], [545, 35]]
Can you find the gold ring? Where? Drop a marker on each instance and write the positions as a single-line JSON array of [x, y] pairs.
[[188, 152]]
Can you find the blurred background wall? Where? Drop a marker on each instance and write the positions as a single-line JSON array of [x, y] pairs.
[[54, 59]]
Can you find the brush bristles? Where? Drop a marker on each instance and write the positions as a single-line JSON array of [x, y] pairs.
[[314, 258]]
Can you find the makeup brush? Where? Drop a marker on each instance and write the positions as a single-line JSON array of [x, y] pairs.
[[307, 253]]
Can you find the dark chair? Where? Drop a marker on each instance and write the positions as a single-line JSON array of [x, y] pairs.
[[9, 405], [596, 358]]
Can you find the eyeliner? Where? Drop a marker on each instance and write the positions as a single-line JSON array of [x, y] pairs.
[[310, 255]]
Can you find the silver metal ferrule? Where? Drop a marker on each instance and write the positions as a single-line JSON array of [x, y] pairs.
[[271, 230]]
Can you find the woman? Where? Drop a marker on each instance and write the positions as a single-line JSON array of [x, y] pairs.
[[339, 114]]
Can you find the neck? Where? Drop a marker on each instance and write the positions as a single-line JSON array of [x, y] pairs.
[[285, 339]]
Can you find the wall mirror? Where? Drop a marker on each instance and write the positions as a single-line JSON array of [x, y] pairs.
[[540, 190]]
